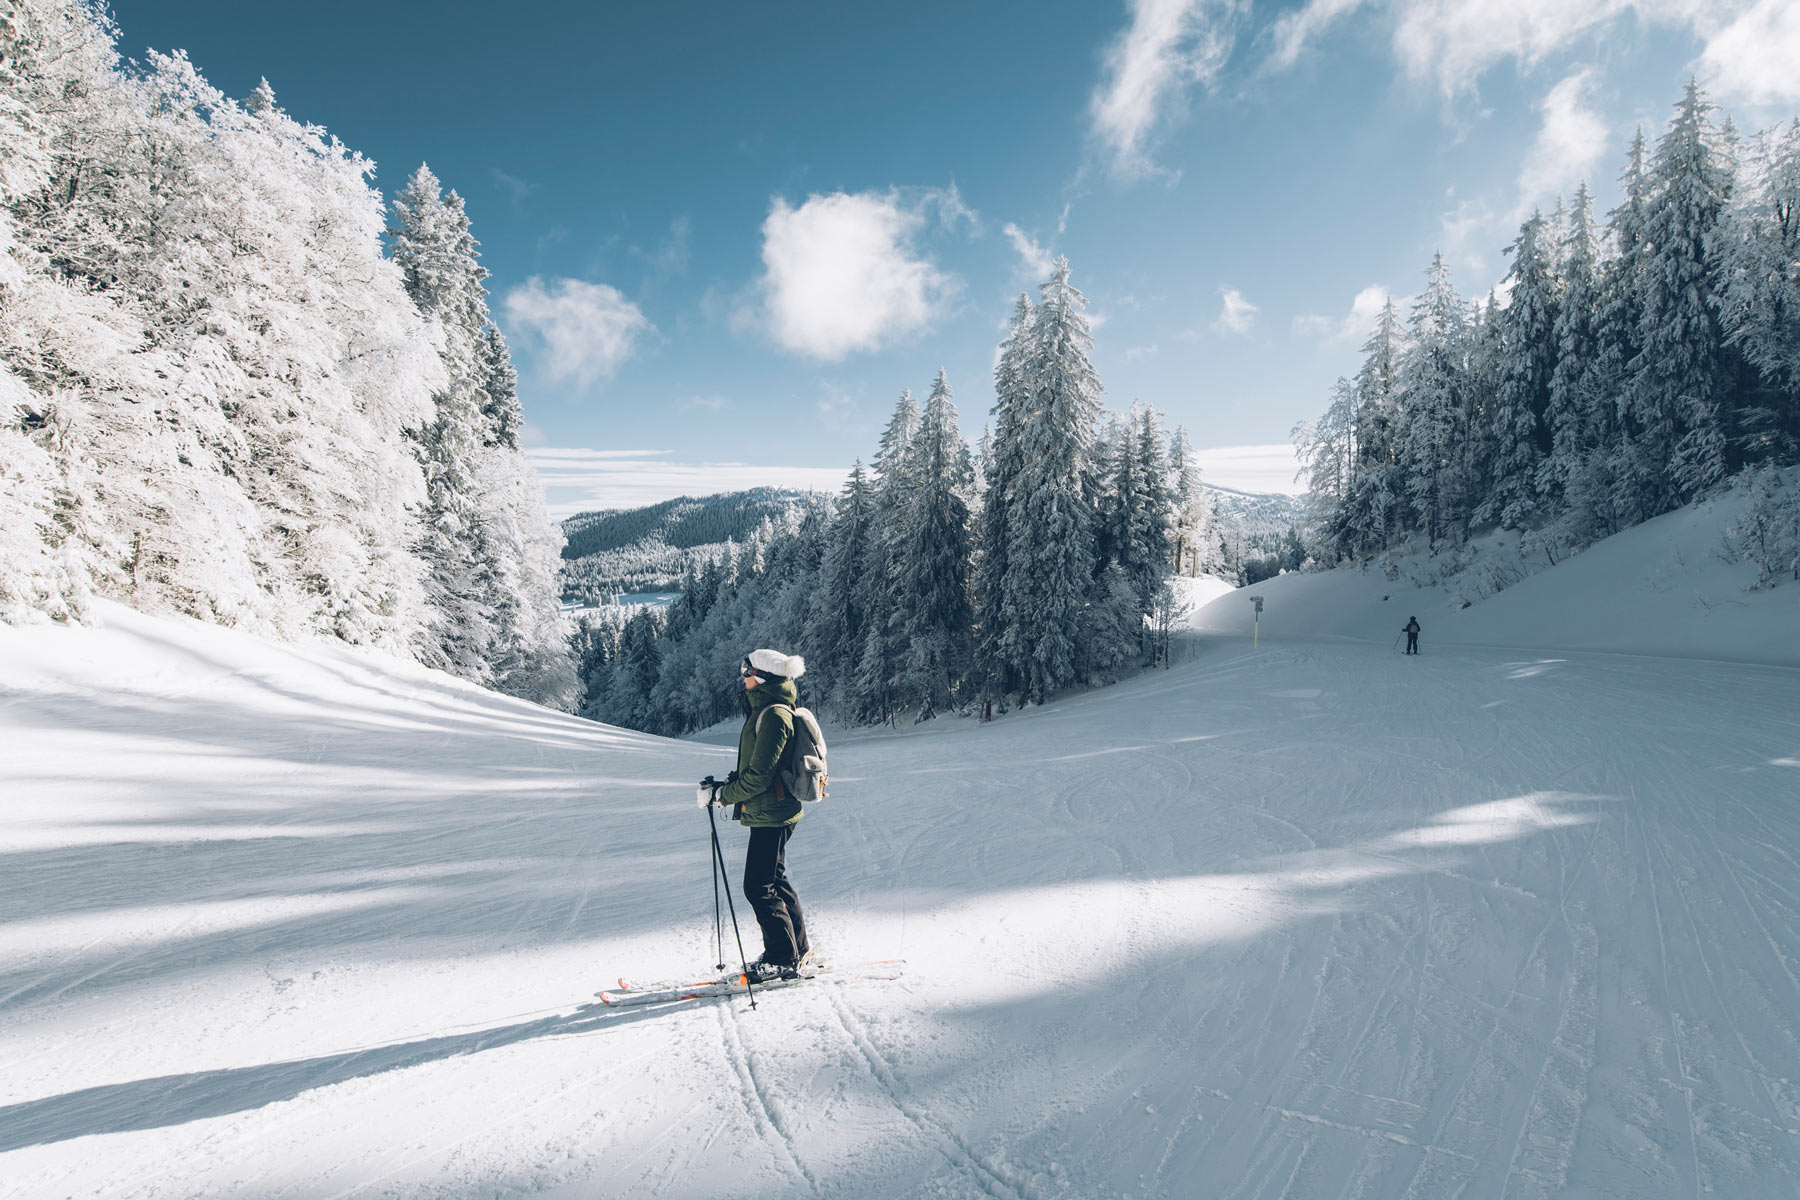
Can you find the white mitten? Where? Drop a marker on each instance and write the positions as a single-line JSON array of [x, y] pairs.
[[704, 796]]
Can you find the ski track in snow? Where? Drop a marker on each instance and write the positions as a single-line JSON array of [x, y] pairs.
[[1314, 921]]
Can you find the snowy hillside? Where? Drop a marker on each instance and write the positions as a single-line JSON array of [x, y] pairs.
[[1316, 921], [1658, 588]]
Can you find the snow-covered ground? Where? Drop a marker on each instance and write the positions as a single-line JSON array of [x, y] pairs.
[[1314, 921], [1659, 588]]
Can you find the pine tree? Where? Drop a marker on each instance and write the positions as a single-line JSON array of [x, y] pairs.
[[1578, 420], [1522, 396], [1434, 389], [1370, 514], [933, 579], [884, 638], [1002, 462], [838, 626], [1758, 250], [1678, 377], [1050, 510], [1326, 452], [1195, 550]]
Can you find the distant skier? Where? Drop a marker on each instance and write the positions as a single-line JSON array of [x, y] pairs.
[[758, 800], [1411, 630]]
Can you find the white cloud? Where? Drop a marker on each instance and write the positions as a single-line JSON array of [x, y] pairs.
[[587, 329], [1136, 352], [584, 480], [1269, 468], [1236, 314], [1465, 232], [1569, 143], [1756, 59], [1291, 32], [842, 275], [1354, 326], [1169, 45], [1453, 42], [711, 402], [1034, 260]]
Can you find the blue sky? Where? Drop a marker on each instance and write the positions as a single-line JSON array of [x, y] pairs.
[[724, 236]]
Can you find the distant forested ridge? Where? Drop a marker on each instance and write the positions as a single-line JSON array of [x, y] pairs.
[[652, 548], [236, 384]]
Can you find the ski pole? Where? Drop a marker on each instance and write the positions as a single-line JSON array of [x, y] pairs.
[[1396, 644], [731, 905]]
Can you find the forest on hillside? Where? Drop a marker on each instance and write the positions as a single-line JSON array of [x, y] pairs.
[[241, 385], [1624, 368]]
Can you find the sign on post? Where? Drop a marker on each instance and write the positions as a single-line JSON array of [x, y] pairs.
[[1256, 636]]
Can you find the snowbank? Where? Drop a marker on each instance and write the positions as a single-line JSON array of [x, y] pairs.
[[1659, 588]]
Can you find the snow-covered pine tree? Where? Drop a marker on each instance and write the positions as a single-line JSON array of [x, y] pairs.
[[1327, 455], [1372, 512], [835, 634], [1600, 498], [437, 257], [932, 584], [883, 634], [491, 551], [1161, 509], [1521, 436], [1050, 513], [1678, 377], [1196, 547], [1758, 252], [1434, 393], [1579, 422], [1002, 461]]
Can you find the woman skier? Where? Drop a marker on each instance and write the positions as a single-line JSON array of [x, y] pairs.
[[757, 799]]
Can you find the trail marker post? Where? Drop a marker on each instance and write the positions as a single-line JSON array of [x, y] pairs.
[[1256, 635]]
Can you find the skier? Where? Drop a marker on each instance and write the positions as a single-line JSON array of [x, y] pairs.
[[757, 799], [1411, 630]]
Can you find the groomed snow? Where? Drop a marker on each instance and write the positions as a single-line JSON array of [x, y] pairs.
[[1659, 588], [1315, 921]]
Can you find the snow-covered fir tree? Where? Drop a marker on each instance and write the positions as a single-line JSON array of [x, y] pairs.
[[1517, 420], [1050, 511], [1758, 254], [492, 553], [1433, 426], [932, 584], [1678, 377], [1001, 464]]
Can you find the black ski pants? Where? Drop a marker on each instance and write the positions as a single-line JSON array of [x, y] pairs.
[[1412, 644], [771, 896]]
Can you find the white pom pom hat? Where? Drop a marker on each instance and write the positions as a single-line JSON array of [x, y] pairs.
[[773, 664]]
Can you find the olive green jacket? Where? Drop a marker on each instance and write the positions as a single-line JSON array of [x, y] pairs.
[[760, 755]]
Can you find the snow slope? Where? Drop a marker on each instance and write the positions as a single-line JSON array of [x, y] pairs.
[[1317, 921], [1658, 588]]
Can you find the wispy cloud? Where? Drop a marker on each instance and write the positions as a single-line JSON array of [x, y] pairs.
[[1568, 145], [515, 188], [1354, 326], [1169, 46], [1035, 261], [1236, 314], [1134, 353], [586, 329], [1291, 33], [579, 480], [1754, 58], [1452, 43], [842, 273], [711, 402]]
